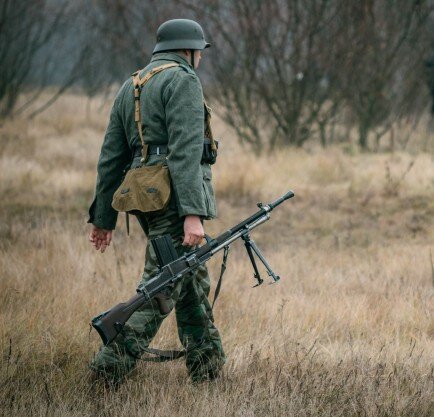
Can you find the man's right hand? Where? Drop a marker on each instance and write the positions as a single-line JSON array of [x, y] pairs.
[[193, 231]]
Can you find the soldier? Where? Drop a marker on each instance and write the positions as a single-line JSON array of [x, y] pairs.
[[173, 121]]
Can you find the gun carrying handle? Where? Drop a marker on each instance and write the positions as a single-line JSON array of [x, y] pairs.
[[208, 238]]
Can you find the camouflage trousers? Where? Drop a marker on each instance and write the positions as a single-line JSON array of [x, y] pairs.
[[196, 330]]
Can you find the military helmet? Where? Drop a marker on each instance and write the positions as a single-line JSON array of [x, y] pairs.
[[180, 34]]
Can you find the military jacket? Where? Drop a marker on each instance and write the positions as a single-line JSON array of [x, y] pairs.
[[172, 114]]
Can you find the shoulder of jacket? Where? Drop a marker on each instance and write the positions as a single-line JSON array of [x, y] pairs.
[[180, 71], [188, 69], [183, 73], [124, 91]]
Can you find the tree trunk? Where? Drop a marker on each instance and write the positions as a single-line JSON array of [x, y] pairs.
[[323, 134], [363, 135]]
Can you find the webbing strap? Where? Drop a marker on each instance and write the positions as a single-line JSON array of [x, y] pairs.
[[160, 355], [222, 271], [163, 355], [138, 85]]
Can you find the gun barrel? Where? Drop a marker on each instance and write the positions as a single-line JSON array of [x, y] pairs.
[[280, 200], [263, 218]]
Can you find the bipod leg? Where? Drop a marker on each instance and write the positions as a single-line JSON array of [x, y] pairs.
[[248, 245], [258, 253]]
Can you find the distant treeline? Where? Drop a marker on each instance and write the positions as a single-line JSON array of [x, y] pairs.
[[281, 72]]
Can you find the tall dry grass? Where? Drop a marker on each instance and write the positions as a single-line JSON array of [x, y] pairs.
[[349, 330]]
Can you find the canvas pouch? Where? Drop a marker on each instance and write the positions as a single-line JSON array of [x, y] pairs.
[[144, 189]]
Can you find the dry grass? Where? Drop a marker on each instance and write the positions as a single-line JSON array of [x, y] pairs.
[[349, 330]]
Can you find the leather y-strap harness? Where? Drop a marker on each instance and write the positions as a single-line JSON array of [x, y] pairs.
[[138, 85]]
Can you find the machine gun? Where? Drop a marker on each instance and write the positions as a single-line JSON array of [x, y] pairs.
[[173, 268]]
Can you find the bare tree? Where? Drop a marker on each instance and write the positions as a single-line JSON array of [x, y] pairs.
[[123, 35], [285, 69], [26, 27], [384, 43], [275, 66], [281, 71]]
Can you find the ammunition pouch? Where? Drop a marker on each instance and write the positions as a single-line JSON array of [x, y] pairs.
[[209, 155], [144, 189]]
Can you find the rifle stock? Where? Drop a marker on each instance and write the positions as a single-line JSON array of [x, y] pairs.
[[110, 323]]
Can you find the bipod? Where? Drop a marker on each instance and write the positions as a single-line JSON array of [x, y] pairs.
[[252, 248]]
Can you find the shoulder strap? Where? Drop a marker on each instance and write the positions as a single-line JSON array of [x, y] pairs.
[[138, 85]]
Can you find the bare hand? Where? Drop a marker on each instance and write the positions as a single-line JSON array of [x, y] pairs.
[[100, 238], [193, 231]]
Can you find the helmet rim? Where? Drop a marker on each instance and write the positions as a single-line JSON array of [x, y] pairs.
[[180, 34]]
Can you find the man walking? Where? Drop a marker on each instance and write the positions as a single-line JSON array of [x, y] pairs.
[[173, 125]]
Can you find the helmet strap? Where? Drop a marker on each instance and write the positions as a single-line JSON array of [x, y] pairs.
[[192, 57]]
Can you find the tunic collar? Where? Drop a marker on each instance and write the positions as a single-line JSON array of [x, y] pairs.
[[170, 56]]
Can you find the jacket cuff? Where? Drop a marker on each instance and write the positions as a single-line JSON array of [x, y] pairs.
[[191, 211], [101, 215]]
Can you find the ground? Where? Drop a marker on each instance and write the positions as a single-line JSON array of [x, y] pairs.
[[348, 331]]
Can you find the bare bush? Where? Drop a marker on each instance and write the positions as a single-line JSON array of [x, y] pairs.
[[124, 34], [275, 66], [383, 44], [26, 26], [281, 71], [285, 68]]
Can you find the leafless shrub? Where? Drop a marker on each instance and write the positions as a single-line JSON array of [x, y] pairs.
[[393, 182], [285, 69], [383, 45], [123, 33], [274, 67], [26, 28], [281, 71]]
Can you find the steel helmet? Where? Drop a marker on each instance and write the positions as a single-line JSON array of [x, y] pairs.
[[180, 34]]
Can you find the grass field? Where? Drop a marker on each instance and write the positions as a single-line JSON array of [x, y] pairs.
[[348, 331]]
